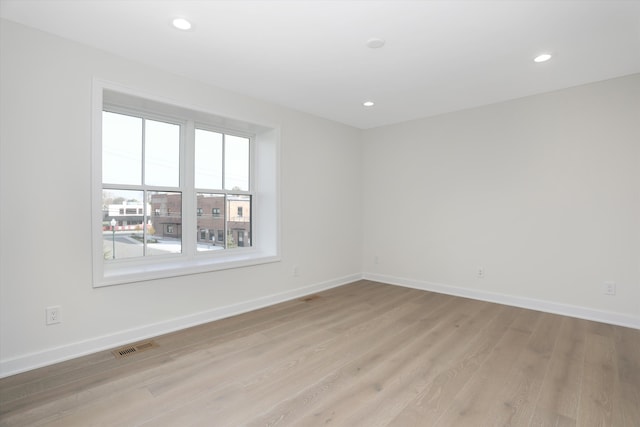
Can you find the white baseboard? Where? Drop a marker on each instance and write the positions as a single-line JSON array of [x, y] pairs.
[[530, 303], [70, 351], [81, 348]]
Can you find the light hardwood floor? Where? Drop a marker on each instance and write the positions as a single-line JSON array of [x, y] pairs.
[[363, 354]]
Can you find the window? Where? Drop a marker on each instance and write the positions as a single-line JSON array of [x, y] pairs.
[[140, 164], [159, 169], [222, 179]]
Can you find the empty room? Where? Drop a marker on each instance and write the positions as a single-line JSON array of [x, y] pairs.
[[301, 213]]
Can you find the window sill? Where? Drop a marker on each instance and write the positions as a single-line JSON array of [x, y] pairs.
[[136, 271]]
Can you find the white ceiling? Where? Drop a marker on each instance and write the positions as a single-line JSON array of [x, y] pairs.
[[439, 56]]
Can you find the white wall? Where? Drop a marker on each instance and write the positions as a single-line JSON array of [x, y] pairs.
[[543, 192], [45, 159]]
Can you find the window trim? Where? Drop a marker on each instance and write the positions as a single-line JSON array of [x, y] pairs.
[[264, 186]]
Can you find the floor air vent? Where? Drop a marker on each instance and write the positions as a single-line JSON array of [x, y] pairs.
[[132, 349]]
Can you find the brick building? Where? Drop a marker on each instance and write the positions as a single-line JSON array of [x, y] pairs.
[[165, 218], [212, 209]]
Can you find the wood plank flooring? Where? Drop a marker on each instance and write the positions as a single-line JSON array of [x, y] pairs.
[[364, 354]]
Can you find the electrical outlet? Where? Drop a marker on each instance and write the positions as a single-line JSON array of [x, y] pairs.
[[53, 315], [480, 272], [376, 259], [296, 271], [609, 288]]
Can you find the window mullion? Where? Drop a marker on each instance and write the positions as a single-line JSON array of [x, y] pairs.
[[145, 216], [223, 169], [223, 186], [187, 184], [226, 221], [144, 192]]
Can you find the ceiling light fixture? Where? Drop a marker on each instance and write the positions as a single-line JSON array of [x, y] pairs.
[[375, 43], [181, 24], [368, 103], [542, 58]]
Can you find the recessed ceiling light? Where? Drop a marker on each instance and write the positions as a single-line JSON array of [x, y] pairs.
[[542, 58], [181, 24], [375, 43], [368, 103]]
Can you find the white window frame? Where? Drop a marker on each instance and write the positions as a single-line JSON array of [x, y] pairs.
[[264, 189]]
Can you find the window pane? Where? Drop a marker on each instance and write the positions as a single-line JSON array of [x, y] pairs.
[[236, 163], [208, 162], [165, 233], [121, 149], [238, 221], [210, 222], [122, 224], [162, 154]]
